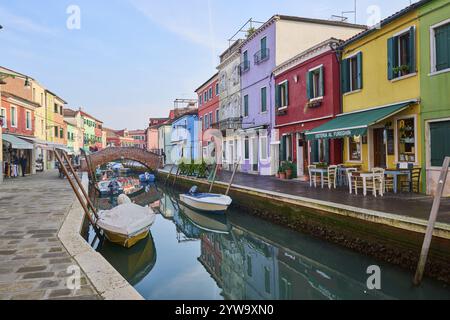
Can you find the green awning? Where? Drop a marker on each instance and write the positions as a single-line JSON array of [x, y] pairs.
[[355, 123], [17, 143]]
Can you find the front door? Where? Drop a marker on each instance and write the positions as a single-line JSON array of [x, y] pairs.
[[300, 153], [379, 148]]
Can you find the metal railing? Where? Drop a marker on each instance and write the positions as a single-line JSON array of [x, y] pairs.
[[262, 55]]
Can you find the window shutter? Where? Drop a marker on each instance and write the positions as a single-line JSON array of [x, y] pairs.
[[442, 38], [391, 58], [360, 74], [322, 84], [326, 149], [412, 49], [315, 151], [277, 96], [283, 149], [345, 81], [286, 92], [308, 85]]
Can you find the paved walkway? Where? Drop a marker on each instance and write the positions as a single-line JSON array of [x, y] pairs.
[[33, 262], [406, 204]]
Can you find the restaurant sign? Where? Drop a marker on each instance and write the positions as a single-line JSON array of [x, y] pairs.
[[338, 134]]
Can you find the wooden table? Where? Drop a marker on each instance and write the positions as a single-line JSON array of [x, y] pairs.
[[365, 176], [396, 173], [315, 171]]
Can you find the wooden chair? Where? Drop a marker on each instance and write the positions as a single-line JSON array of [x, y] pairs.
[[331, 176], [378, 182], [415, 181], [312, 177], [350, 177]]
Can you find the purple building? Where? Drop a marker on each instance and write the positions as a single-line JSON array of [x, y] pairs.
[[276, 41]]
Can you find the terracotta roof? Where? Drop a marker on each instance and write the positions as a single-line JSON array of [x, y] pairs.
[[69, 112], [385, 21]]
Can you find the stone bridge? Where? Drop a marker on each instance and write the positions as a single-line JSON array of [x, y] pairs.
[[149, 159]]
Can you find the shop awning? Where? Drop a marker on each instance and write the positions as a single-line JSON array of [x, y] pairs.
[[355, 123], [17, 143]]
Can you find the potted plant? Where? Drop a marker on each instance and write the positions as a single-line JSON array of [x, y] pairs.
[[282, 171], [404, 69], [289, 169]]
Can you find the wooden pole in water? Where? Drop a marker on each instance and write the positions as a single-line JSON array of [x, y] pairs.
[[431, 222], [168, 176], [176, 176], [80, 185], [214, 178], [75, 189], [232, 177]]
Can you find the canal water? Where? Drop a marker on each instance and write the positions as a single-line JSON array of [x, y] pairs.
[[195, 256]]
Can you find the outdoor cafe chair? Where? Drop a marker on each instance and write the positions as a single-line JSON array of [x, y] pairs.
[[378, 181], [414, 184], [350, 178], [331, 176], [312, 177]]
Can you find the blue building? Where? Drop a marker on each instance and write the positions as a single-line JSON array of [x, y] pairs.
[[185, 138]]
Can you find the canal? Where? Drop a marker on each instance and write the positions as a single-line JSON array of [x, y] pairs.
[[193, 256]]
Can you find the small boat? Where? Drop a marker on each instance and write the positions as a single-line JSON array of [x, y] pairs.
[[126, 224], [107, 189], [207, 222], [209, 202], [147, 177]]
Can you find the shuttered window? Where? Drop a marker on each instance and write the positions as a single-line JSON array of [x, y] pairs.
[[245, 106], [442, 40], [440, 147], [351, 73], [315, 83], [282, 95], [263, 99], [402, 54]]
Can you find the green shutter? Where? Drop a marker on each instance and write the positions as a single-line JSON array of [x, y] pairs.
[[345, 76], [440, 148], [277, 96], [263, 99], [308, 85], [360, 71], [412, 50], [391, 58], [442, 38], [286, 92], [326, 148], [315, 151], [322, 83]]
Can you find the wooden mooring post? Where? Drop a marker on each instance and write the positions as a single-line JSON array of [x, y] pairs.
[[232, 177], [213, 178], [168, 176], [431, 222]]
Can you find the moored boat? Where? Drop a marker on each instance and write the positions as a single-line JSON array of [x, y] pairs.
[[208, 202]]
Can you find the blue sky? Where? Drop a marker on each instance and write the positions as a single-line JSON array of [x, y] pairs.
[[131, 58]]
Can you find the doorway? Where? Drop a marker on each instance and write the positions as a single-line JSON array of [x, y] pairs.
[[254, 159], [300, 155], [379, 148]]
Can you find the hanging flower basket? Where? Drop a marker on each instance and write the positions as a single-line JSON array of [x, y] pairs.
[[313, 104]]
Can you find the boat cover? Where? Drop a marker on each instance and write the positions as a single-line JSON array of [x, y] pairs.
[[126, 219]]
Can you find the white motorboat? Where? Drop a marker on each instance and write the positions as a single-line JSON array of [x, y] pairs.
[[209, 202], [126, 224], [104, 188]]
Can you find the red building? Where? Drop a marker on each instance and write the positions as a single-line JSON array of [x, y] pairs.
[[308, 95], [208, 104]]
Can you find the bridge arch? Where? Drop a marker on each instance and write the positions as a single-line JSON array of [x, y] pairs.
[[149, 159]]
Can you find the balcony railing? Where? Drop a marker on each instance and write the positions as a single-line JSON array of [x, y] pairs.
[[261, 56], [228, 124], [245, 66]]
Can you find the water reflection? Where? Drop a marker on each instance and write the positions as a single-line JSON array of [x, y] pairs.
[[237, 256]]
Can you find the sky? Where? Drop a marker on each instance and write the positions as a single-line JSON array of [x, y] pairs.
[[124, 61]]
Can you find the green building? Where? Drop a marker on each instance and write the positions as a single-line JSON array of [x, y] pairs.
[[435, 89], [71, 132]]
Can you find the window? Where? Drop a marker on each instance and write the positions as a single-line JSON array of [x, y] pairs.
[[211, 119], [351, 73], [401, 54], [34, 94], [354, 148], [314, 83], [440, 46], [263, 147], [210, 93], [200, 100], [55, 108], [263, 99], [3, 117], [246, 56], [205, 96], [246, 149], [267, 279], [56, 131], [245, 106], [13, 117], [42, 127], [282, 95], [28, 120], [42, 99], [217, 115], [60, 110], [440, 148], [217, 89], [263, 48], [406, 140]]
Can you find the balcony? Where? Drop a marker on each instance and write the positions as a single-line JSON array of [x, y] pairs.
[[244, 67], [228, 124], [261, 56]]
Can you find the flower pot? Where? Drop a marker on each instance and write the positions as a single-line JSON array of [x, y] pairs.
[[282, 175], [277, 175], [288, 173]]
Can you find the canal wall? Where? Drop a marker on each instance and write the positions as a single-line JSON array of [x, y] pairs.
[[392, 238], [107, 281]]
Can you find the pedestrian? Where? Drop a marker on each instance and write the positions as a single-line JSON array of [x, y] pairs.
[[15, 165], [23, 163]]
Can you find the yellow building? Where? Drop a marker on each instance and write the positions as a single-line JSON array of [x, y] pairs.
[[380, 121]]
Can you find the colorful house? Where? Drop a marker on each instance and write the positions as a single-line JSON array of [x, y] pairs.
[[380, 123], [208, 108], [434, 50], [308, 95], [184, 138], [93, 132], [75, 130], [152, 134], [230, 103], [264, 49]]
